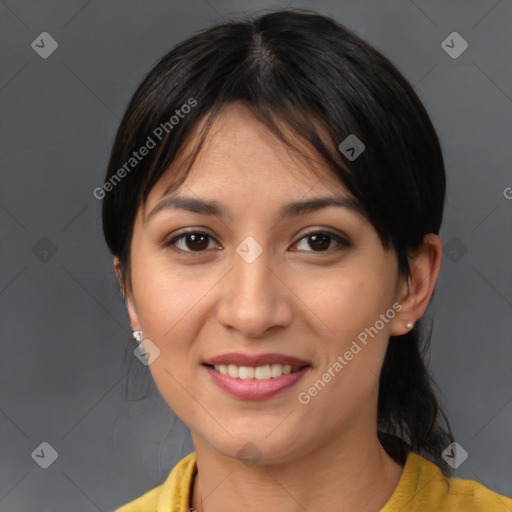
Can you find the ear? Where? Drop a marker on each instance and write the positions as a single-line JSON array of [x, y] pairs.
[[415, 293], [129, 299]]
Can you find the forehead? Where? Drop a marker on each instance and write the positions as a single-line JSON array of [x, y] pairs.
[[242, 158]]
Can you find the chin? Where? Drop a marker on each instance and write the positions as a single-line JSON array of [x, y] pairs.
[[252, 448]]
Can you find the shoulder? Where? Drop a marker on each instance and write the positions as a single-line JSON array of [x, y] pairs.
[[174, 492], [424, 487], [469, 495]]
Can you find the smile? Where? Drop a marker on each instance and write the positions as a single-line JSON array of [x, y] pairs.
[[265, 372]]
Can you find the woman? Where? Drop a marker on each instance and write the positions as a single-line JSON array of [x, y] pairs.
[[273, 202]]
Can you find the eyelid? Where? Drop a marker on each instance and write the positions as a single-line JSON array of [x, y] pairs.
[[341, 239], [338, 235], [169, 243]]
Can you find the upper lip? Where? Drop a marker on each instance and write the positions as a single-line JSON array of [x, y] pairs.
[[240, 359]]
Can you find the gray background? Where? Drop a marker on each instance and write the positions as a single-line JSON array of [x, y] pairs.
[[66, 340]]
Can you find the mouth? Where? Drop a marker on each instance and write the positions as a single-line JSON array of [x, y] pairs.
[[251, 377], [264, 372]]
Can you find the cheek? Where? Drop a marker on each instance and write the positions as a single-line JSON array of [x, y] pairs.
[[351, 301], [351, 304], [167, 295], [168, 305]]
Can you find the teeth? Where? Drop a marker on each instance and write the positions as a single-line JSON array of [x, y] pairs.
[[276, 370], [259, 372], [245, 372], [262, 372], [232, 371]]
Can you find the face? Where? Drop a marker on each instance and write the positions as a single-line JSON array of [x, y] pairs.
[[313, 289]]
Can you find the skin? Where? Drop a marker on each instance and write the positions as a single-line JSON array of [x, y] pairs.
[[293, 300]]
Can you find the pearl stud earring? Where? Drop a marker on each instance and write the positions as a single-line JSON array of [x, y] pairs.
[[409, 324], [137, 335]]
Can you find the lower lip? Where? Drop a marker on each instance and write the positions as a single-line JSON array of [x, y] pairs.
[[256, 389]]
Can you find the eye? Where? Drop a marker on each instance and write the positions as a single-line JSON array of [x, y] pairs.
[[194, 241], [198, 241], [319, 241]]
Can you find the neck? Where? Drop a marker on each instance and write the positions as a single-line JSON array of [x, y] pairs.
[[335, 476]]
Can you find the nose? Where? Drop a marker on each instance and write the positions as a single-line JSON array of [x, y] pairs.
[[254, 298]]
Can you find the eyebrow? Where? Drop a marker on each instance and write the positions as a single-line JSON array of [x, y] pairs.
[[214, 208]]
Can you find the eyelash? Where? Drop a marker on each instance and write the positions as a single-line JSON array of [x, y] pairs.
[[340, 240]]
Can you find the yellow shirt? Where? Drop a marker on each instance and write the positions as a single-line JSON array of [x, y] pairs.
[[422, 488]]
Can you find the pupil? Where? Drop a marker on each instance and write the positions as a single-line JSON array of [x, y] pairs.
[[195, 238], [319, 238]]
